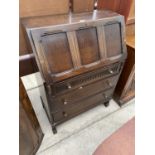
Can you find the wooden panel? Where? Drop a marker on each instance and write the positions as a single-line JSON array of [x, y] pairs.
[[27, 65], [108, 4], [24, 45], [119, 6], [132, 10], [130, 32], [27, 136], [113, 39], [128, 85], [88, 45], [43, 7], [57, 52], [124, 8], [30, 134], [82, 5], [125, 88]]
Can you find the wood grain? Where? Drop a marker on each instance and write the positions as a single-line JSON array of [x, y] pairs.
[[125, 90], [108, 4], [74, 49], [30, 8], [102, 42], [27, 65], [24, 45], [79, 6], [113, 39], [124, 8], [30, 134], [88, 45], [120, 6], [57, 52]]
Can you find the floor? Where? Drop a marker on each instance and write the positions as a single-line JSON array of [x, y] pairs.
[[82, 134]]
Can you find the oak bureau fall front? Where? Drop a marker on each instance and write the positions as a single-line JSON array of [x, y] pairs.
[[80, 57]]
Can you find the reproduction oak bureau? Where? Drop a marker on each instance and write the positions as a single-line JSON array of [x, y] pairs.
[[80, 57]]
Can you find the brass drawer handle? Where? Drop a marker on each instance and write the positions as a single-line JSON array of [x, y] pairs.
[[111, 71], [80, 87], [69, 86], [65, 102], [64, 114]]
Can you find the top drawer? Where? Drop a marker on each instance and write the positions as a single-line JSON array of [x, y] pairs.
[[81, 80]]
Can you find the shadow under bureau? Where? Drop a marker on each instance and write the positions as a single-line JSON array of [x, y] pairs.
[[80, 57]]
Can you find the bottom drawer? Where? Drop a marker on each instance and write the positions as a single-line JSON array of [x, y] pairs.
[[83, 105]]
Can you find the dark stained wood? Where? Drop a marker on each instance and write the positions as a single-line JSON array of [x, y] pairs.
[[24, 45], [79, 6], [125, 89], [71, 98], [80, 57], [87, 78], [88, 45], [30, 134], [30, 8], [83, 105], [73, 23], [27, 65], [57, 52], [113, 39]]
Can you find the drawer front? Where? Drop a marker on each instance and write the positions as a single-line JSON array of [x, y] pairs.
[[76, 82], [85, 91], [83, 105]]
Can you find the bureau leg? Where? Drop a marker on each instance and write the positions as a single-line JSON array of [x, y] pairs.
[[106, 104], [54, 129]]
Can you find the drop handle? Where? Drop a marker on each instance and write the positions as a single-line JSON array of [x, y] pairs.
[[69, 86], [111, 71], [65, 102], [80, 87]]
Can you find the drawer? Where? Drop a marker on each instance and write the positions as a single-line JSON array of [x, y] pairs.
[[83, 105], [84, 92], [71, 84]]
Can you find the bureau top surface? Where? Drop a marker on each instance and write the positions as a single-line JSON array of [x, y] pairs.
[[44, 21]]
